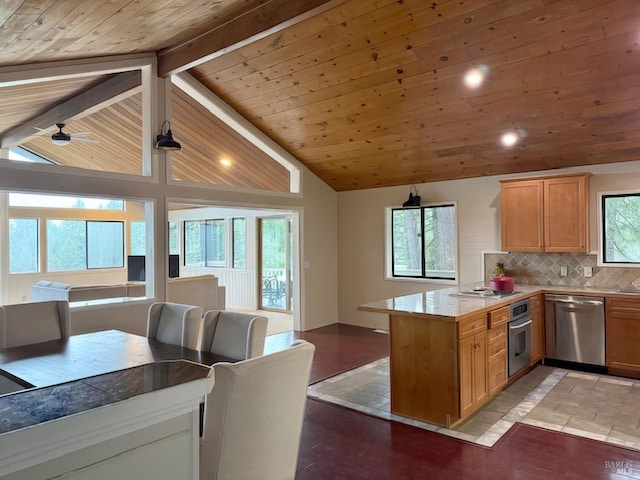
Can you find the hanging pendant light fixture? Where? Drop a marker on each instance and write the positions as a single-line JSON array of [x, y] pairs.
[[165, 140], [414, 200]]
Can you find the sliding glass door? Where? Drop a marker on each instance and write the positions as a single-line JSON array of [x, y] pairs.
[[275, 263]]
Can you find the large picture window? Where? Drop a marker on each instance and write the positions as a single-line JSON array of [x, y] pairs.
[[215, 245], [174, 238], [204, 243], [23, 245], [80, 245], [620, 229], [105, 244], [424, 242], [239, 243], [66, 245], [137, 238]]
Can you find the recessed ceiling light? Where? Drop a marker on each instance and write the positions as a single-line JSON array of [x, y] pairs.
[[474, 77], [509, 139], [225, 162]]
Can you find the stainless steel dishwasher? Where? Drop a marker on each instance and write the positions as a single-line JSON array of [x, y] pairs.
[[574, 329]]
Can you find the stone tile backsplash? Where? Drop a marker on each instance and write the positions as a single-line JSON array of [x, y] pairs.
[[544, 269]]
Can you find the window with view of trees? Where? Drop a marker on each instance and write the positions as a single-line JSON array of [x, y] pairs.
[[105, 244], [137, 238], [621, 228], [204, 243], [174, 248], [80, 244], [66, 245], [239, 243], [23, 245], [424, 242]]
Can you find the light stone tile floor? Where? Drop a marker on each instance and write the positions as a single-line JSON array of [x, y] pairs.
[[589, 405]]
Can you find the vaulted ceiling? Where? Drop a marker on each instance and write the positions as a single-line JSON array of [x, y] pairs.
[[365, 93]]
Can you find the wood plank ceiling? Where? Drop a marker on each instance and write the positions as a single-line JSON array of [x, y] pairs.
[[370, 93]]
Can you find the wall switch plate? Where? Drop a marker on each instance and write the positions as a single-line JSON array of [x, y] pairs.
[[563, 271], [588, 271]]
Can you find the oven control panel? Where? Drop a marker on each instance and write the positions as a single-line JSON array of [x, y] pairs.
[[519, 309]]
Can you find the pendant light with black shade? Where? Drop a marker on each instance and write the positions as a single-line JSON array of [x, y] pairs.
[[414, 200], [165, 141]]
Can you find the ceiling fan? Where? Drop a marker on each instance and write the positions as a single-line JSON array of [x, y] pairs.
[[62, 138]]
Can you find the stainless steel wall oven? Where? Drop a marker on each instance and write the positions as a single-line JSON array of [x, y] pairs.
[[519, 336]]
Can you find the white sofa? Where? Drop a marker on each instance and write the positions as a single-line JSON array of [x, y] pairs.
[[45, 290], [201, 290]]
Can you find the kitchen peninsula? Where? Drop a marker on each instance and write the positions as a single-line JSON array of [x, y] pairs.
[[448, 352]]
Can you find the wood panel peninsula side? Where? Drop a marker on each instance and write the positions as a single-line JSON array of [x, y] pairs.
[[446, 358]]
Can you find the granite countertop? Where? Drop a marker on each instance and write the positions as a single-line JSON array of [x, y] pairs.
[[445, 303], [31, 407]]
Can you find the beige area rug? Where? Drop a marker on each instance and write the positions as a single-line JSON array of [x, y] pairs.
[[279, 322], [538, 398]]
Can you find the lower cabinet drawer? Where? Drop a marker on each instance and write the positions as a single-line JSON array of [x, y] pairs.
[[497, 371], [498, 347], [497, 334]]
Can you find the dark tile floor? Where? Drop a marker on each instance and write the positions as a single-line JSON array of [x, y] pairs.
[[340, 443]]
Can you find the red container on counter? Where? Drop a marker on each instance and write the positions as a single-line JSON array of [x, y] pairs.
[[502, 284]]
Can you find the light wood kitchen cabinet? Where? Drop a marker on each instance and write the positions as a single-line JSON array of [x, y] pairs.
[[622, 334], [472, 352], [545, 214], [537, 328], [497, 342], [443, 369], [522, 215]]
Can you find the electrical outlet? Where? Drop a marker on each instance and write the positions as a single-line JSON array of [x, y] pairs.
[[588, 271], [563, 271]]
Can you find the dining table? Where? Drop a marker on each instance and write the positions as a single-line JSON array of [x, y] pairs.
[[101, 390], [58, 378], [81, 356]]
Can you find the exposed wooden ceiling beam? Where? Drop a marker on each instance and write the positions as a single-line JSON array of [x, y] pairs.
[[110, 91], [270, 17]]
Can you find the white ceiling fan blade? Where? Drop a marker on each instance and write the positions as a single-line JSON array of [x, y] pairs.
[[85, 140], [80, 134], [42, 130]]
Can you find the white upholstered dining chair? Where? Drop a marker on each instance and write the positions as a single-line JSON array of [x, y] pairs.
[[234, 335], [175, 323], [254, 414], [33, 322]]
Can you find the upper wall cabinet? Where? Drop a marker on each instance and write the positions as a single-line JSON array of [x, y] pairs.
[[545, 214]]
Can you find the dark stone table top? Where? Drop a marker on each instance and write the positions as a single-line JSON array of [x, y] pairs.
[[31, 407], [69, 376]]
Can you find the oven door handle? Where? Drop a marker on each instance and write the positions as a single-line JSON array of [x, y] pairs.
[[521, 325]]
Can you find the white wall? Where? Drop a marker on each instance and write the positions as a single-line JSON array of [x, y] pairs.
[[319, 268], [362, 232]]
